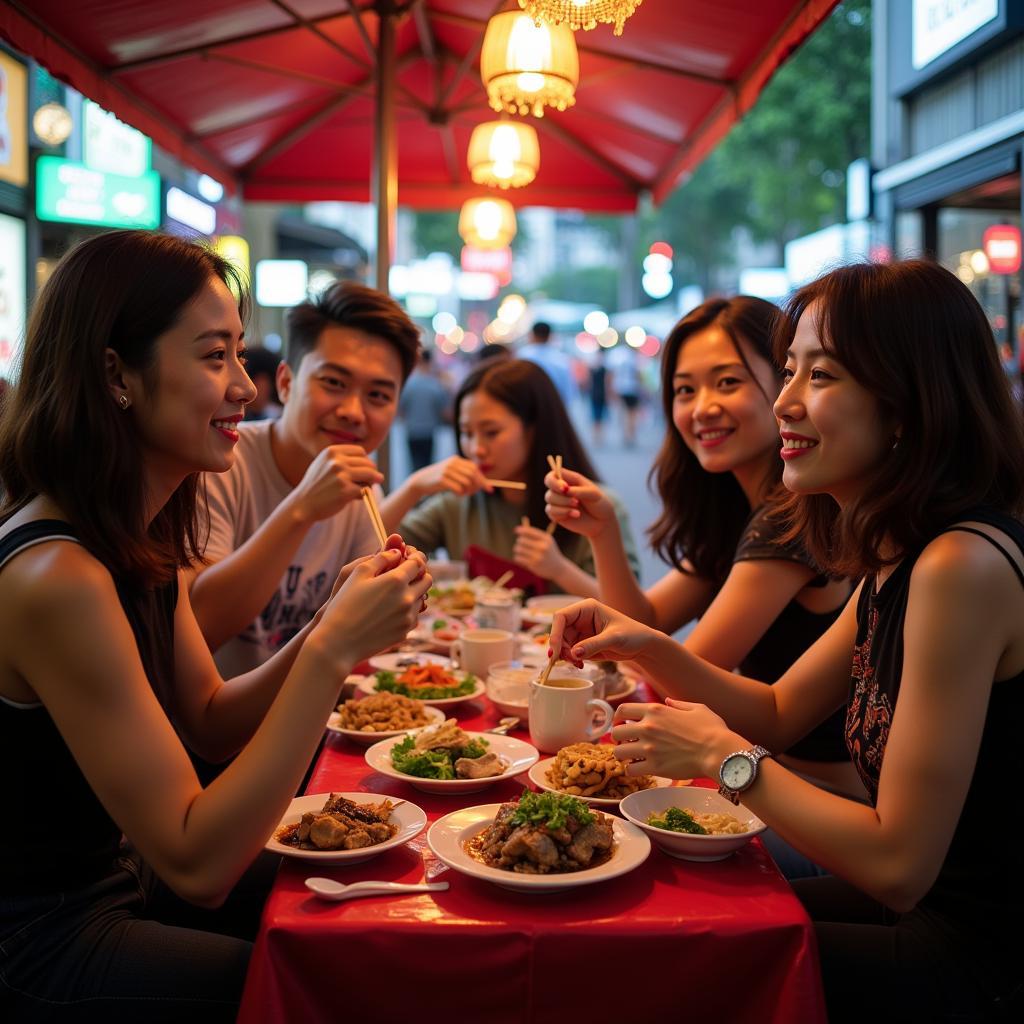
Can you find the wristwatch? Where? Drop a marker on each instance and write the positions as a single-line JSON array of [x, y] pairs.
[[739, 770]]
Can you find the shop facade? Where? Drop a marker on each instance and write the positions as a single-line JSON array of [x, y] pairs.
[[948, 144]]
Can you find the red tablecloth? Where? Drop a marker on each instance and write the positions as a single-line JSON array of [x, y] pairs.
[[671, 940]]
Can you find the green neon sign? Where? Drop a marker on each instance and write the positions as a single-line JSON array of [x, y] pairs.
[[72, 193]]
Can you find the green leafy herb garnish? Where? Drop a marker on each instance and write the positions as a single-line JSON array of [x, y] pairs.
[[438, 624], [677, 819], [432, 764], [550, 810]]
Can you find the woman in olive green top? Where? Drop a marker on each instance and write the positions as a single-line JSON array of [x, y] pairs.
[[509, 418]]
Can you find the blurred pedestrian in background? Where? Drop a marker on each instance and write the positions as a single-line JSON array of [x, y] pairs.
[[598, 395], [626, 386], [555, 364], [425, 404]]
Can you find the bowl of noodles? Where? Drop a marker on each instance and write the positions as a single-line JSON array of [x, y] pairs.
[[691, 822]]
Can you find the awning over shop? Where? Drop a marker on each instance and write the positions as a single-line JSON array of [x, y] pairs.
[[277, 97]]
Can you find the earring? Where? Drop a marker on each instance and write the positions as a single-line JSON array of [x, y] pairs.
[[123, 401]]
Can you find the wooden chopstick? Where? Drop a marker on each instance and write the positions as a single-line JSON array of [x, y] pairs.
[[543, 677], [504, 578], [512, 485], [555, 462], [374, 513]]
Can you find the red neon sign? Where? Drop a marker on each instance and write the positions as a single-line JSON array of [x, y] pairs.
[[1001, 243]]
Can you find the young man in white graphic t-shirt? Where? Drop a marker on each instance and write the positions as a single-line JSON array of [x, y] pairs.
[[287, 516]]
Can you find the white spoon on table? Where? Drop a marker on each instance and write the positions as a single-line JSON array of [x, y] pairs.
[[328, 889]]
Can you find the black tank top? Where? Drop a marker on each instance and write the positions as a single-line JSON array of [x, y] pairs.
[[77, 841], [978, 897]]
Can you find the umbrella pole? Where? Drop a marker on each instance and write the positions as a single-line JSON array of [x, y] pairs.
[[385, 168]]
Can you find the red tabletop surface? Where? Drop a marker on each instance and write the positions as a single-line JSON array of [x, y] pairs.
[[669, 940]]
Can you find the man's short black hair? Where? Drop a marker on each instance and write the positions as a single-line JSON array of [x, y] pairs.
[[349, 304], [541, 331]]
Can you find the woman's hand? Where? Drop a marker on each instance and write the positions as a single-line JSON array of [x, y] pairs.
[[375, 606], [577, 503], [678, 741], [593, 631], [537, 551], [456, 474]]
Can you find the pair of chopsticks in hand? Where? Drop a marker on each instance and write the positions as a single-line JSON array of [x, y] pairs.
[[555, 462], [375, 517]]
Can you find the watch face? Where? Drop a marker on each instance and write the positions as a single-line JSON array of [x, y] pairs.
[[736, 771]]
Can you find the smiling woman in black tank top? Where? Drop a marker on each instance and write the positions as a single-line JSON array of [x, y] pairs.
[[905, 455], [131, 385]]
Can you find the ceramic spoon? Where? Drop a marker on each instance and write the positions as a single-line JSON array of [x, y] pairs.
[[328, 889]]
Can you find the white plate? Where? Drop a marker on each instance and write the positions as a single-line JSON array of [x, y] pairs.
[[369, 686], [518, 753], [447, 835], [543, 608], [424, 633], [409, 818], [365, 739], [398, 661], [637, 807], [538, 776]]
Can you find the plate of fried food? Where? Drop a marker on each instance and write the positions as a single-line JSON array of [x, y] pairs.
[[457, 598], [345, 828], [446, 759], [429, 684], [367, 720], [542, 842], [591, 772]]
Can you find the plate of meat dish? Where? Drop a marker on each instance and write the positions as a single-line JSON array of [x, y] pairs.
[[544, 842], [445, 759], [345, 828]]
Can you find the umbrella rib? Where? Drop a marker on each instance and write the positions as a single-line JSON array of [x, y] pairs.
[[311, 26], [294, 134], [357, 14], [471, 53], [302, 76], [191, 51], [549, 124], [448, 144]]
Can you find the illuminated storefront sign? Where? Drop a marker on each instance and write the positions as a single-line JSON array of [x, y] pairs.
[[939, 25], [112, 146], [191, 212], [13, 122], [1001, 243], [73, 193], [12, 292]]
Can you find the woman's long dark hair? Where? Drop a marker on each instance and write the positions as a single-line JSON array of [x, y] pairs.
[[528, 393], [703, 514], [61, 432], [913, 335]]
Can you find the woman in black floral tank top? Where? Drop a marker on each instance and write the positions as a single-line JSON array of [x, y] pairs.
[[905, 455]]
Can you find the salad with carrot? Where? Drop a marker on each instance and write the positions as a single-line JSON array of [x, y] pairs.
[[425, 682]]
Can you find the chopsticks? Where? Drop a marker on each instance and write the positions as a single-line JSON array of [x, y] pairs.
[[543, 677], [512, 485], [555, 462], [503, 579], [374, 513]]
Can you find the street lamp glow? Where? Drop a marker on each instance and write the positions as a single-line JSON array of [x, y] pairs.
[[595, 322], [979, 262], [657, 285], [511, 309], [656, 263], [608, 337], [443, 323], [635, 336]]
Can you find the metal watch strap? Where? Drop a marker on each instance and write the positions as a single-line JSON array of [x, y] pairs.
[[755, 755]]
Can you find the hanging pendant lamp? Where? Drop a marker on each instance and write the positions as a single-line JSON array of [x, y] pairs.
[[503, 154], [581, 14], [487, 223]]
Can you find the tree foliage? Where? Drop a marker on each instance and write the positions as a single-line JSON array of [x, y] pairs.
[[780, 173]]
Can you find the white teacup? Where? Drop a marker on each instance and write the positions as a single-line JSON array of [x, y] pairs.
[[476, 650], [562, 711]]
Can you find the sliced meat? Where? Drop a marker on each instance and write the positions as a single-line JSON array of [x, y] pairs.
[[328, 832], [485, 767], [595, 837], [532, 845]]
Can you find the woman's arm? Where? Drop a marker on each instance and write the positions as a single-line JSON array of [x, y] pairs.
[[775, 716], [199, 841], [964, 626], [581, 506]]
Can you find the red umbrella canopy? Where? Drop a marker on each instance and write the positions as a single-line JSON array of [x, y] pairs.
[[278, 96]]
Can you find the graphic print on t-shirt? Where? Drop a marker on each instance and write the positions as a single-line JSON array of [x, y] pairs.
[[292, 606]]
